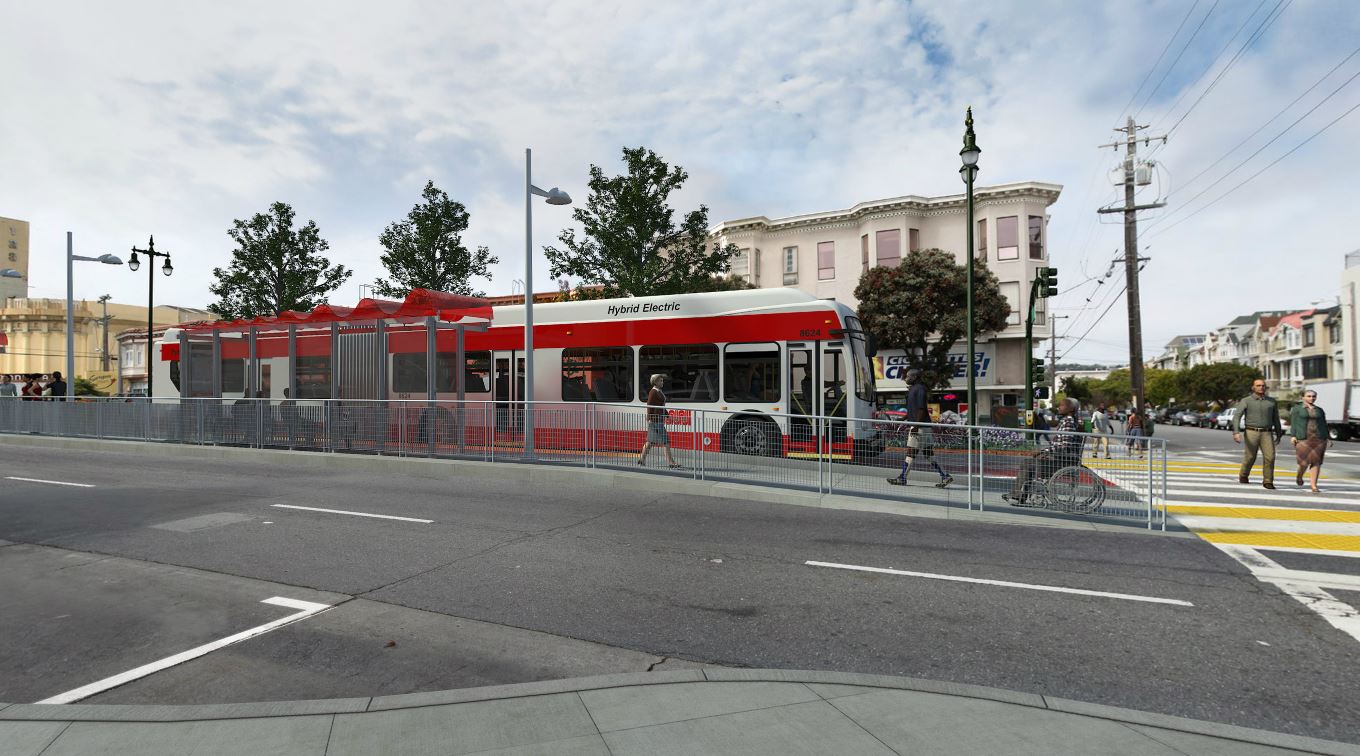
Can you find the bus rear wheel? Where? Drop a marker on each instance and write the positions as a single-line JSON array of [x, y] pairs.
[[751, 436]]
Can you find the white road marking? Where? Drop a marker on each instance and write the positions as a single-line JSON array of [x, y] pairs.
[[1179, 497], [305, 609], [52, 482], [1342, 616], [1201, 523], [1003, 583], [1314, 552], [356, 514]]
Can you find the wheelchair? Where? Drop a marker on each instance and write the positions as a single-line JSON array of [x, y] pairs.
[[1070, 488]]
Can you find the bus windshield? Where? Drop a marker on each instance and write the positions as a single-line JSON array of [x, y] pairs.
[[864, 369]]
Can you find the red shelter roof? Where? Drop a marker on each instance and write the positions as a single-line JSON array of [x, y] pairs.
[[420, 303]]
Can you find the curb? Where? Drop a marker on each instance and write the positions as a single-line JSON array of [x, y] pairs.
[[155, 713], [558, 474]]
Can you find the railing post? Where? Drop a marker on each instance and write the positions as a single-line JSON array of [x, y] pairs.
[[703, 446], [982, 472]]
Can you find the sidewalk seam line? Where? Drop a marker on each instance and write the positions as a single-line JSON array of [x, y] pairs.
[[593, 723], [54, 738], [1153, 739], [329, 731], [862, 727]]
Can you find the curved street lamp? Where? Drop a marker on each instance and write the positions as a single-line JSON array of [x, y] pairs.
[[968, 172], [71, 258], [554, 196]]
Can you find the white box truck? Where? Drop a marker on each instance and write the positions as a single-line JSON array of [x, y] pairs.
[[1341, 401]]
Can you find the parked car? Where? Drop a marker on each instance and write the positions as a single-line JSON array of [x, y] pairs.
[[1225, 419], [1186, 417], [1209, 419]]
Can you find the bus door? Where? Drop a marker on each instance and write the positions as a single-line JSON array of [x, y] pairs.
[[507, 387], [817, 387]]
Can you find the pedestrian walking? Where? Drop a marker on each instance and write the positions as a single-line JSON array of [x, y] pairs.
[[1101, 426], [919, 438], [8, 389], [1258, 420], [656, 422], [1308, 434], [1133, 428]]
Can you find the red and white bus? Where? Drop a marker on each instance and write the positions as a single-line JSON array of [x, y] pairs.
[[761, 360]]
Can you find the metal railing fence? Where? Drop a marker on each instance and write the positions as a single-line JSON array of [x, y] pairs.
[[1105, 477]]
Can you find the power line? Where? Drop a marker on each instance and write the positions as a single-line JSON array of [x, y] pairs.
[[1283, 110], [1113, 302], [1263, 170], [1172, 67], [1152, 70], [1260, 30], [1259, 150]]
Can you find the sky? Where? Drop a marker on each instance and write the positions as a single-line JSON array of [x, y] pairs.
[[124, 120]]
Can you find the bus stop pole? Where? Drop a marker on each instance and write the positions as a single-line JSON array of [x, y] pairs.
[[431, 380], [459, 378]]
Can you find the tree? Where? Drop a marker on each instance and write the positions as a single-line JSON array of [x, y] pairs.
[[631, 246], [85, 387], [274, 267], [921, 307], [1077, 388], [1162, 386], [1223, 383], [1116, 388], [426, 251]]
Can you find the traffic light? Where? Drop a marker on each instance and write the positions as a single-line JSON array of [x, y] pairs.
[[1048, 281], [1037, 369]]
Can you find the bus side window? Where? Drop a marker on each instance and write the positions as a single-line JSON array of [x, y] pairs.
[[801, 397], [751, 373]]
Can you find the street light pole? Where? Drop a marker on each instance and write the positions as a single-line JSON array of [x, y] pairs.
[[71, 257], [554, 196], [167, 269], [970, 154]]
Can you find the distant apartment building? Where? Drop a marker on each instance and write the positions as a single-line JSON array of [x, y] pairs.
[[825, 253], [13, 258]]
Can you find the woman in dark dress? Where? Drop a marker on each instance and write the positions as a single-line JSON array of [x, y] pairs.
[[1308, 434]]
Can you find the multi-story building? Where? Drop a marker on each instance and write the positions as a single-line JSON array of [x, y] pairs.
[[35, 330], [1300, 349], [1180, 353], [826, 253], [13, 259]]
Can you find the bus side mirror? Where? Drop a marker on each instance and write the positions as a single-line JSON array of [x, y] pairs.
[[871, 345]]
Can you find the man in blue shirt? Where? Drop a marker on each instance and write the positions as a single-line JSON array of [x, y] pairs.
[[918, 436]]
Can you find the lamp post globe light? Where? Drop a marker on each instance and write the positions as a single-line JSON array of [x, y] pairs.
[[968, 172], [71, 258], [553, 196], [134, 264]]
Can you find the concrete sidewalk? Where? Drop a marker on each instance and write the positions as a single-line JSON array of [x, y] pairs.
[[686, 711]]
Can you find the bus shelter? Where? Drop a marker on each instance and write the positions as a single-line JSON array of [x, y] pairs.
[[330, 352]]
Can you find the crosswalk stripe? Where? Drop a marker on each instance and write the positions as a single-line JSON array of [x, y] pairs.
[[1192, 497], [1267, 513], [1312, 541], [1202, 525]]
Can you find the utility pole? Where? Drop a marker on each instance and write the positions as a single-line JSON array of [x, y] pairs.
[[104, 323], [1130, 211], [1053, 356]]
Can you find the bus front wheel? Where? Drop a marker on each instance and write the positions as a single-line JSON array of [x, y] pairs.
[[751, 436]]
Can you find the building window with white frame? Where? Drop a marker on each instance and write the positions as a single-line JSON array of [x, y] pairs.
[[826, 261], [1036, 237], [790, 265], [741, 263], [1008, 238], [981, 251], [888, 247], [913, 240], [1011, 291], [864, 252]]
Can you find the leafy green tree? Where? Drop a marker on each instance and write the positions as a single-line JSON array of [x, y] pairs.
[[631, 246], [1077, 388], [274, 267], [1222, 383], [1162, 386], [921, 307], [426, 251], [1116, 388]]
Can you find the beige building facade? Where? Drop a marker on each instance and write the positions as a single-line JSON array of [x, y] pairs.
[[14, 253], [35, 330], [825, 254]]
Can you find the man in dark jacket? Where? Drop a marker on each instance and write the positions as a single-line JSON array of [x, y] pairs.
[[918, 436], [1064, 449]]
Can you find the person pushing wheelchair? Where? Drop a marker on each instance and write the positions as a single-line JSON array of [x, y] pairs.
[[1064, 450]]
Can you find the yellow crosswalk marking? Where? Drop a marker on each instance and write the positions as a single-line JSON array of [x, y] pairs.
[[1267, 513], [1322, 542]]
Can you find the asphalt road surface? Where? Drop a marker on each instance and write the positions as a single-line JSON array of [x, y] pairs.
[[482, 583], [1343, 458]]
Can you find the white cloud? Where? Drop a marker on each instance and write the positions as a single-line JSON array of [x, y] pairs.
[[139, 118]]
